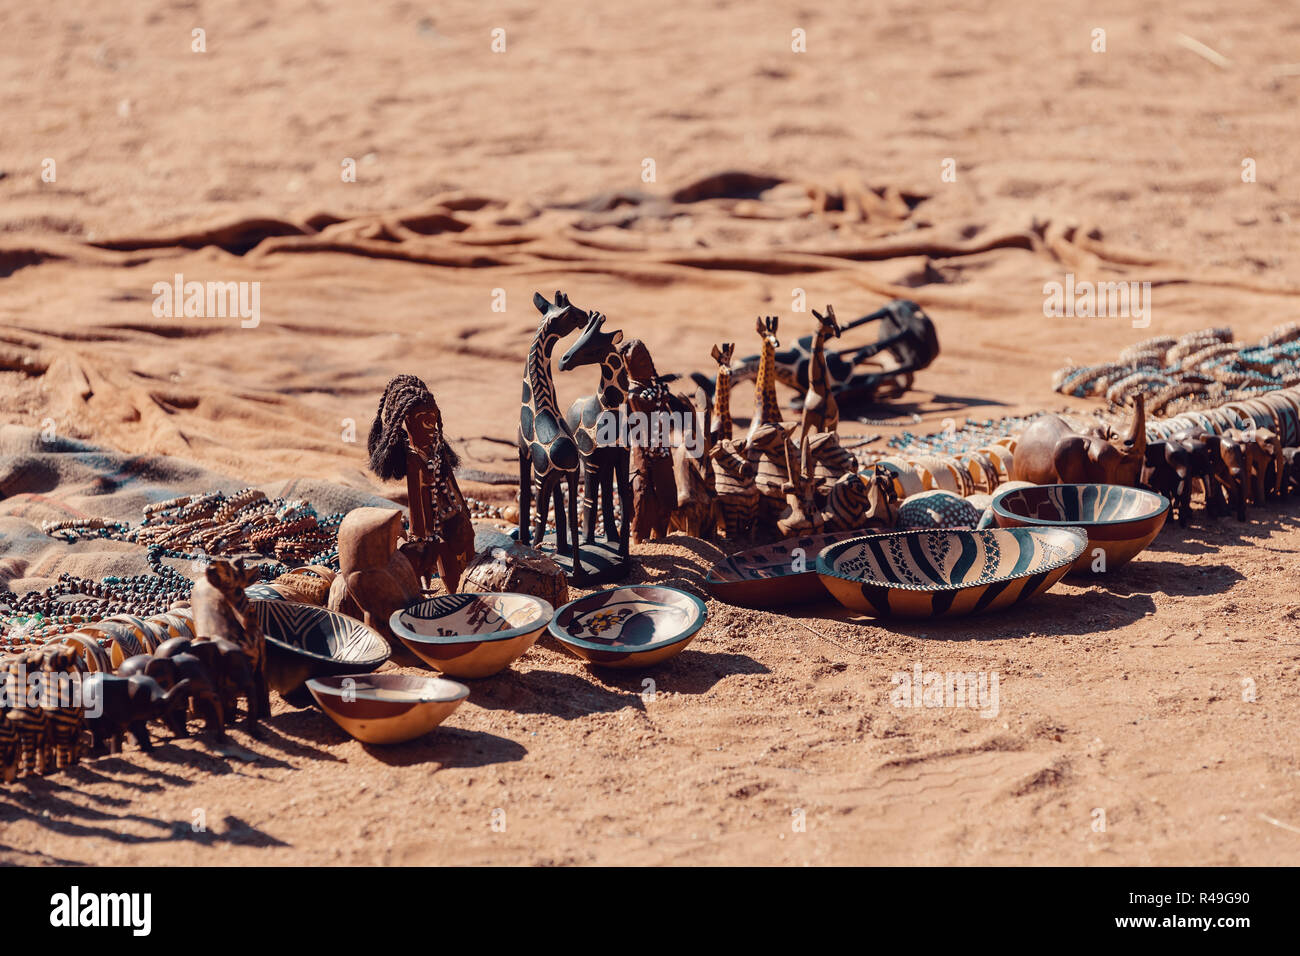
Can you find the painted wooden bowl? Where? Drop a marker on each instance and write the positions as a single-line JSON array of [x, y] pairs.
[[303, 640], [471, 635], [947, 572], [386, 708], [1120, 521], [634, 626], [774, 575]]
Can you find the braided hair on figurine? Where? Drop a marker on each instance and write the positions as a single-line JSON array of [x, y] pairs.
[[387, 443]]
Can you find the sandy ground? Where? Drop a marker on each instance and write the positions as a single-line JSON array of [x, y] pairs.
[[773, 738]]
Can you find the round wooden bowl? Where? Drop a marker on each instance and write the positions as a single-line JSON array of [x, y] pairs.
[[634, 626], [386, 708], [303, 641], [471, 635], [947, 572], [766, 577], [1120, 521]]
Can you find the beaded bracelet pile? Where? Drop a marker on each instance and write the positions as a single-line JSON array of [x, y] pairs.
[[1197, 370], [191, 528]]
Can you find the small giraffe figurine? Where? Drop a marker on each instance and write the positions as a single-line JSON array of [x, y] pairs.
[[766, 409], [820, 412], [602, 464], [548, 451], [721, 427]]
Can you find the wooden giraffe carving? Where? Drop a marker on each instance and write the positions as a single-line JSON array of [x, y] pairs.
[[602, 464], [548, 451], [721, 426], [820, 412], [766, 409]]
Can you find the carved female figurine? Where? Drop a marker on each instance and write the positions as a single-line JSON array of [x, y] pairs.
[[406, 440]]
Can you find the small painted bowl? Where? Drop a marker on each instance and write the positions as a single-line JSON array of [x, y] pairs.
[[634, 626], [471, 635], [386, 708], [774, 575], [947, 572], [1120, 521], [303, 640]]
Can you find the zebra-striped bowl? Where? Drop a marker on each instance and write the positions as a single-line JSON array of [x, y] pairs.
[[1120, 522], [947, 572], [303, 640]]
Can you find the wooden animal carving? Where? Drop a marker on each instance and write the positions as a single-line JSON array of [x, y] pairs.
[[603, 463], [10, 751], [697, 507], [375, 576], [221, 610], [766, 450], [861, 501], [801, 515], [171, 663], [1251, 462], [229, 666], [721, 424], [766, 409], [1050, 451], [820, 413], [128, 704], [548, 450], [737, 494], [1175, 465], [654, 487], [25, 715], [62, 670], [406, 441]]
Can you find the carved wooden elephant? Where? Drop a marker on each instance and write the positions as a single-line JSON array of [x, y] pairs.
[[1254, 462], [1174, 465], [116, 704], [1050, 451], [230, 667]]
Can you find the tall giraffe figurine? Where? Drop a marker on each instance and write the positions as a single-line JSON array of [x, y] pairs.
[[548, 451], [820, 412], [602, 464], [721, 424], [766, 409]]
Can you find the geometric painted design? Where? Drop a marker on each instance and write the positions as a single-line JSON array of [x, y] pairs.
[[316, 632], [947, 572], [936, 509]]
